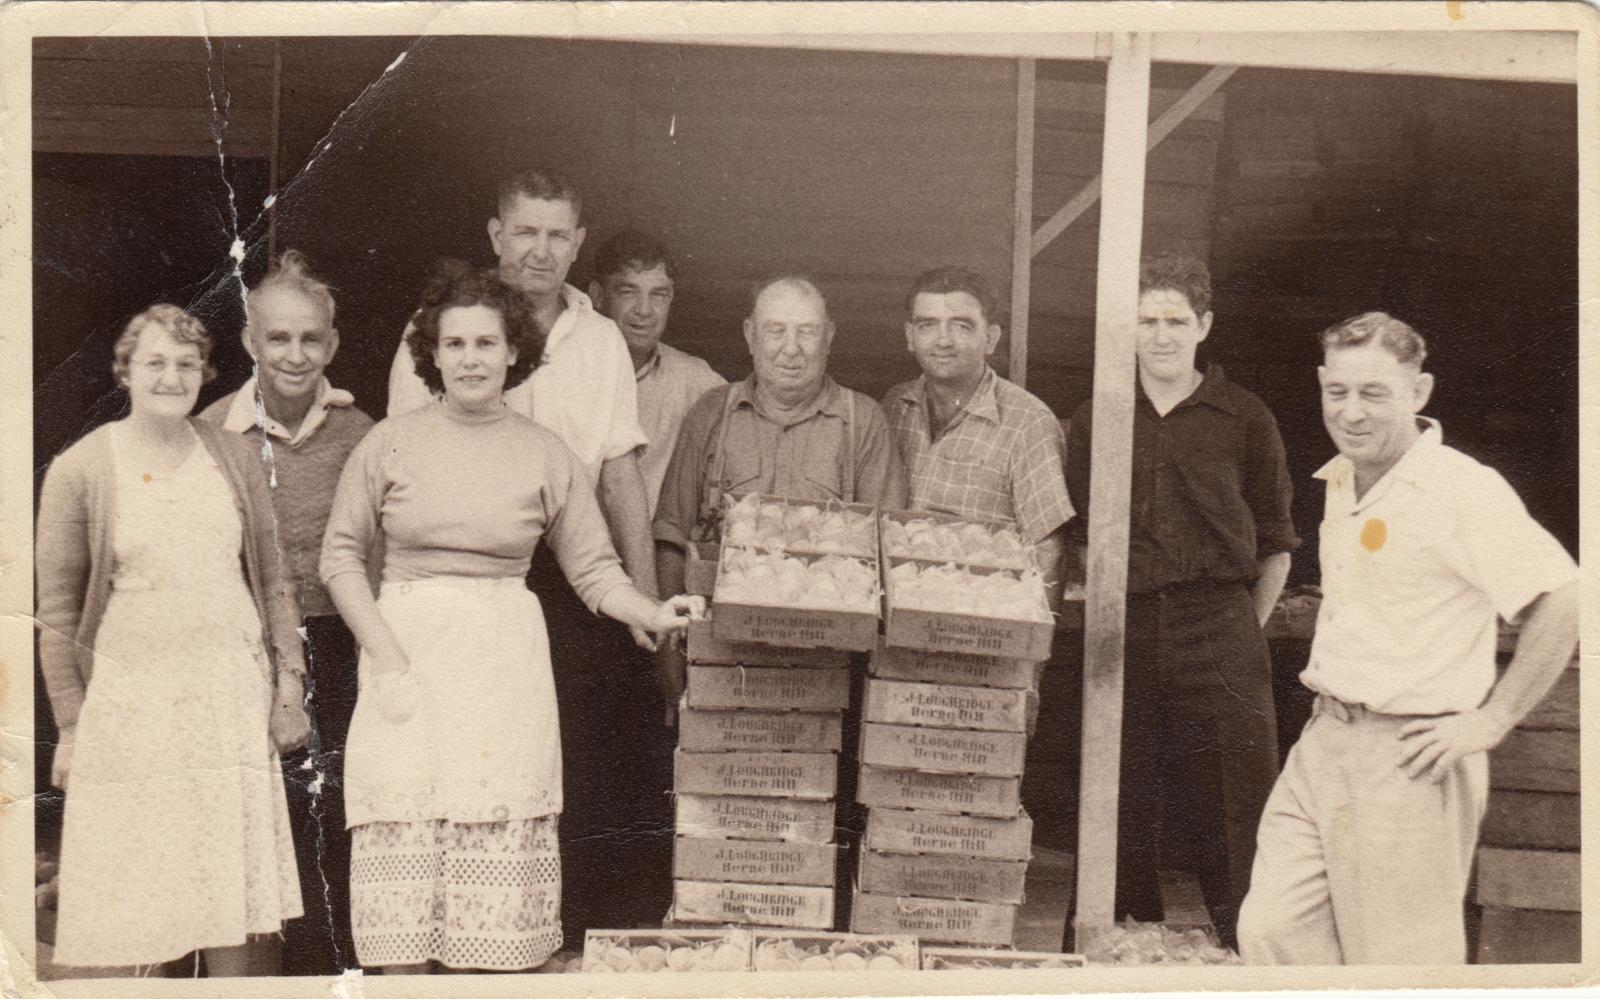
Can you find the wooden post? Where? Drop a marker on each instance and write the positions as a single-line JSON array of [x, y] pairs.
[[1116, 311], [272, 151], [1022, 225], [1163, 126]]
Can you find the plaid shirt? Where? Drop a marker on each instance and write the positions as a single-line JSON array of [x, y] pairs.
[[998, 461]]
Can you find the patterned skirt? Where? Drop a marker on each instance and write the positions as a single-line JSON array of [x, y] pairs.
[[484, 895]]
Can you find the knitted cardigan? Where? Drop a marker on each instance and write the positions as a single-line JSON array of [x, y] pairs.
[[73, 556]]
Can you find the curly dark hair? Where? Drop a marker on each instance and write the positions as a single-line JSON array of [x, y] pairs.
[[455, 284]]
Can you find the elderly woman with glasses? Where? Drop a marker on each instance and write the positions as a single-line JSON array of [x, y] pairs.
[[174, 670]]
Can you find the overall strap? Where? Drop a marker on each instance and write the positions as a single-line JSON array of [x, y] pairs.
[[849, 445], [711, 497]]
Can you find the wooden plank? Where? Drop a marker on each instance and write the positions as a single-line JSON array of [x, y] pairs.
[[942, 920], [768, 688], [984, 959], [737, 730], [945, 706], [894, 830], [704, 647], [114, 132], [1529, 936], [124, 49], [755, 818], [1530, 879], [808, 776], [893, 662], [1540, 820], [1157, 130], [172, 85], [942, 876], [971, 794], [801, 627], [709, 859], [996, 754], [1535, 761], [1022, 222], [1078, 97], [1117, 294], [752, 904], [943, 631]]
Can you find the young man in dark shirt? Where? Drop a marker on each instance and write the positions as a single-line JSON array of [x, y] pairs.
[[1208, 553]]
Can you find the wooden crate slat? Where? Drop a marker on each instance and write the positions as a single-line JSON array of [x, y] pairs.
[[1535, 761], [1529, 936], [1542, 820], [1529, 879]]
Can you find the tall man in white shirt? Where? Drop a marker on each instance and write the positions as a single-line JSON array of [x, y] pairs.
[[584, 391], [1366, 843]]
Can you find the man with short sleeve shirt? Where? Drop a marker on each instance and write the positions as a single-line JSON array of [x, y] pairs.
[[635, 281], [1208, 553], [974, 444], [787, 430], [584, 391], [1366, 844]]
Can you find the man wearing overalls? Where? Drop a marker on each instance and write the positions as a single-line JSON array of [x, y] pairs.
[[787, 430]]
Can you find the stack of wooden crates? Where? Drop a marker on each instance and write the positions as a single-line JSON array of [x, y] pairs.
[[1529, 886], [943, 739], [760, 730]]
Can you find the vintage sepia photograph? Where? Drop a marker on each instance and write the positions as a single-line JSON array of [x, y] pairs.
[[853, 498]]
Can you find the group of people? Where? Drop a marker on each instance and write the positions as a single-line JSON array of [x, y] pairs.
[[485, 767]]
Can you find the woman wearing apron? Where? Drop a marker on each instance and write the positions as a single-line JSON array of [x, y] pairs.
[[453, 781]]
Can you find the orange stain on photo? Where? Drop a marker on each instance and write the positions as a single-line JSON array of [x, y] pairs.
[[1373, 534]]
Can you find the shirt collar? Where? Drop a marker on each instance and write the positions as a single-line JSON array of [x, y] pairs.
[[1407, 468], [1214, 390], [829, 402], [577, 304], [984, 403], [652, 366], [246, 411]]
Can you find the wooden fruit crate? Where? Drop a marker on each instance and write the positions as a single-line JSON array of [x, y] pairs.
[[752, 904], [893, 830], [993, 959], [736, 730], [624, 951], [974, 634], [956, 794], [997, 754], [922, 666], [768, 688], [939, 876], [701, 859], [940, 705], [799, 627], [749, 818], [798, 950], [703, 646], [933, 919], [808, 776]]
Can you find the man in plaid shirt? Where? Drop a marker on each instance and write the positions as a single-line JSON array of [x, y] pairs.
[[974, 444]]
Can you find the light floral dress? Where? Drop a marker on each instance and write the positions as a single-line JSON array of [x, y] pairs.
[[176, 835]]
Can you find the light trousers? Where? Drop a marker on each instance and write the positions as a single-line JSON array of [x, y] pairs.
[[1357, 863]]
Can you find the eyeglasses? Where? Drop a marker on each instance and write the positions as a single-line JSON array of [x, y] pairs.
[[159, 365]]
